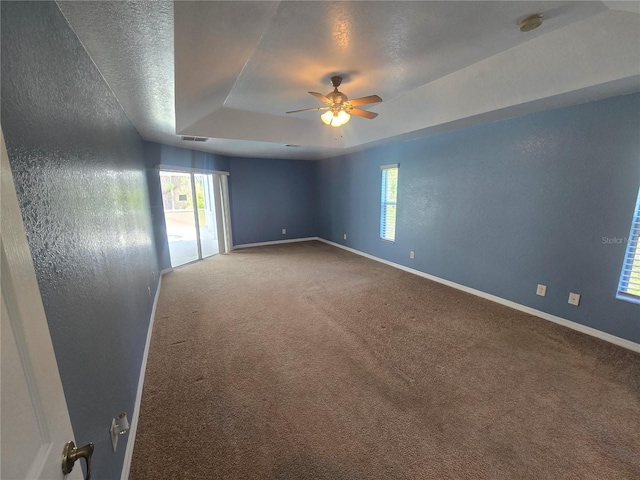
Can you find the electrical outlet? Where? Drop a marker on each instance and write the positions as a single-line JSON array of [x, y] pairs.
[[344, 236], [154, 275], [149, 288], [284, 231], [541, 290], [574, 299], [412, 254]]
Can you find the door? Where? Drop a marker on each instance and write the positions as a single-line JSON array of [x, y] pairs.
[[35, 423], [179, 216], [196, 213], [207, 226]]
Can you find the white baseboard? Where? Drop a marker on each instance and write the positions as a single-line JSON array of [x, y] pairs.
[[523, 308], [128, 454], [276, 242]]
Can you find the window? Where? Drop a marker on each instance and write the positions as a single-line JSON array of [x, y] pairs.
[[388, 201], [629, 287]]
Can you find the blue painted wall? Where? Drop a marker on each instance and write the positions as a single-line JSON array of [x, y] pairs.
[[79, 170], [158, 154], [504, 206], [269, 195]]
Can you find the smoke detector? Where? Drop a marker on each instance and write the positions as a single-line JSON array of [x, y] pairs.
[[530, 22]]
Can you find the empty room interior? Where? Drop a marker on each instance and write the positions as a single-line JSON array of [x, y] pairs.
[[320, 240]]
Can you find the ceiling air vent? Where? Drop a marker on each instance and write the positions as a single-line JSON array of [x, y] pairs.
[[195, 139]]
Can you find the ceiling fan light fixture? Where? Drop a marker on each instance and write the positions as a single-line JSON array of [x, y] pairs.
[[335, 118], [339, 108]]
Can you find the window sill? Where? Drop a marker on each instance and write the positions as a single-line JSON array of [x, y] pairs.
[[628, 298]]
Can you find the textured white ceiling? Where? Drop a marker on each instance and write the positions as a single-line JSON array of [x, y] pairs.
[[230, 70]]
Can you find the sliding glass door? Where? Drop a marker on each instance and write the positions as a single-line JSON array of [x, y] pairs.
[[177, 199], [196, 215], [206, 214]]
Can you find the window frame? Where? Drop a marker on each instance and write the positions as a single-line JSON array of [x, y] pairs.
[[630, 263], [384, 203]]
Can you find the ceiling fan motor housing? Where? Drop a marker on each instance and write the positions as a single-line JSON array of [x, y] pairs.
[[338, 98]]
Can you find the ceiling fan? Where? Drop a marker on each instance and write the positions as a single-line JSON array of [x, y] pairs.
[[340, 108]]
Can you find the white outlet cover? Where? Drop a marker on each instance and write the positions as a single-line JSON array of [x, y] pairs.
[[344, 236], [574, 299], [412, 255], [284, 230], [541, 290]]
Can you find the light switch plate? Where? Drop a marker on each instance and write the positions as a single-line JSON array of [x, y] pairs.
[[574, 299], [541, 290]]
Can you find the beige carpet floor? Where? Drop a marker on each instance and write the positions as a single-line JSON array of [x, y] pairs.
[[304, 361]]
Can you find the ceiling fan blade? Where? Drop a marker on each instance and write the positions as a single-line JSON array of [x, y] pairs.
[[361, 113], [309, 109], [322, 98], [364, 100]]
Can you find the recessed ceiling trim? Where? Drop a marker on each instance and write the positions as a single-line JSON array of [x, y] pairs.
[[239, 65]]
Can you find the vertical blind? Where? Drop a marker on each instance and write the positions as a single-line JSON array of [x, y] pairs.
[[389, 197], [629, 287]]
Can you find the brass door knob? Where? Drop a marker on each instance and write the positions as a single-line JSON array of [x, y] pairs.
[[70, 454]]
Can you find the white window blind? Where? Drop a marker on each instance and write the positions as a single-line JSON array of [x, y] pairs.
[[629, 287], [389, 197]]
